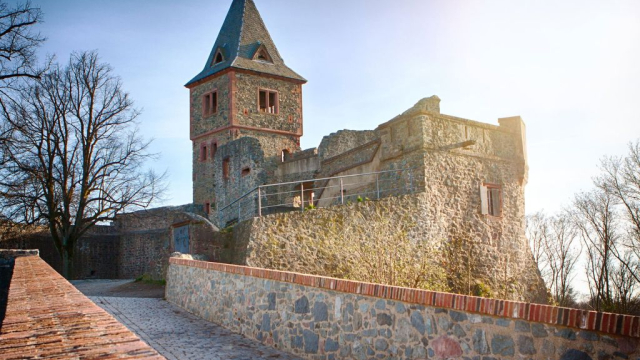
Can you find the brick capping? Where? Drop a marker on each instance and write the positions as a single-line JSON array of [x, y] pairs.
[[47, 317], [607, 323]]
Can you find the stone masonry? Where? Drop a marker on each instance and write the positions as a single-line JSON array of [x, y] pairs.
[[323, 318], [246, 121]]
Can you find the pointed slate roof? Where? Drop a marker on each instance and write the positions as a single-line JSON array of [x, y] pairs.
[[243, 33]]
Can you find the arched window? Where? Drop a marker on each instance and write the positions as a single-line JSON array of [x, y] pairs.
[[218, 58], [284, 155]]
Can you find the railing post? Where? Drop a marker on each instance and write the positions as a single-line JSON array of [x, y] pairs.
[[378, 185], [302, 196], [341, 192], [259, 201]]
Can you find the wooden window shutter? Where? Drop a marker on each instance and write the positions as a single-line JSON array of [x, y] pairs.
[[484, 201]]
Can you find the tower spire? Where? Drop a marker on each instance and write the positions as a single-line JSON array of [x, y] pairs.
[[245, 43]]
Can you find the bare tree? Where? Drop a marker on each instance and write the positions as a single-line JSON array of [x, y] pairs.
[[18, 45], [562, 253], [554, 249], [537, 231], [624, 285], [596, 219], [621, 179], [74, 157]]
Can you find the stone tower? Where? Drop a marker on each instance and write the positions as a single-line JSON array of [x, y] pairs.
[[244, 90]]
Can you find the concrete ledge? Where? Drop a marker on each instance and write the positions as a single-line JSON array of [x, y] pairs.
[[47, 317], [606, 323]]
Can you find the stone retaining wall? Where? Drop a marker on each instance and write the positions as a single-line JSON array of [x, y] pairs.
[[324, 318]]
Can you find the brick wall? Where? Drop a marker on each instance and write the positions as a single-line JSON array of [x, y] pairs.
[[47, 317], [323, 318]]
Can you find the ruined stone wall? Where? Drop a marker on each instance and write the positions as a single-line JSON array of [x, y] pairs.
[[504, 266], [343, 141], [322, 318]]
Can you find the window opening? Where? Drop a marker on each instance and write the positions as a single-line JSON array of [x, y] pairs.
[[210, 103], [491, 199], [246, 171], [262, 55], [284, 155], [268, 101], [207, 208], [214, 149], [218, 58], [203, 153], [225, 168]]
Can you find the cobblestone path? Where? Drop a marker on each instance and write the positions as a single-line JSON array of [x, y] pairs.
[[178, 335]]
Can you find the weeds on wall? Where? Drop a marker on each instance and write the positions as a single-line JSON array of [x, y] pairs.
[[368, 247]]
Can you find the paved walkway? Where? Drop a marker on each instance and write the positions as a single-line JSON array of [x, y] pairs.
[[176, 334]]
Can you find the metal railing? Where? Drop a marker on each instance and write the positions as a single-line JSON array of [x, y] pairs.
[[312, 193]]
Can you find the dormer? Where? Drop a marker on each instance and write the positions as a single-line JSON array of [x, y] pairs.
[[218, 57], [262, 55]]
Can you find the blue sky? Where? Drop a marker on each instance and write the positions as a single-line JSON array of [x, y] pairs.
[[569, 68]]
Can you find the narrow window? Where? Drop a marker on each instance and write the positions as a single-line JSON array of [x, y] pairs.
[[491, 199], [284, 155], [209, 103], [207, 208], [214, 149], [268, 101], [225, 168], [203, 152], [246, 171]]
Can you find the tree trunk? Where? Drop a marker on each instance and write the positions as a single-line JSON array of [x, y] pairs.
[[67, 263]]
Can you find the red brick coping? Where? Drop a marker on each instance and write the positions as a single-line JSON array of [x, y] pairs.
[[48, 318], [617, 324]]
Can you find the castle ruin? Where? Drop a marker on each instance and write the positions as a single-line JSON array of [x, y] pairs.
[[246, 122]]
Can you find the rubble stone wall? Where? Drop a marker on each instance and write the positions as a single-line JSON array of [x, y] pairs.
[[501, 262], [322, 318]]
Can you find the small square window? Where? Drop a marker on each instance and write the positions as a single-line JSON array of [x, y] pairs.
[[268, 101], [246, 171], [210, 103]]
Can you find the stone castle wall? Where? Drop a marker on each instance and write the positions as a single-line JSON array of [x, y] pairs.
[[322, 318], [94, 257], [501, 262], [135, 244]]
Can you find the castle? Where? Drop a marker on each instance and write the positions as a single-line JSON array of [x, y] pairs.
[[458, 181], [246, 122]]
